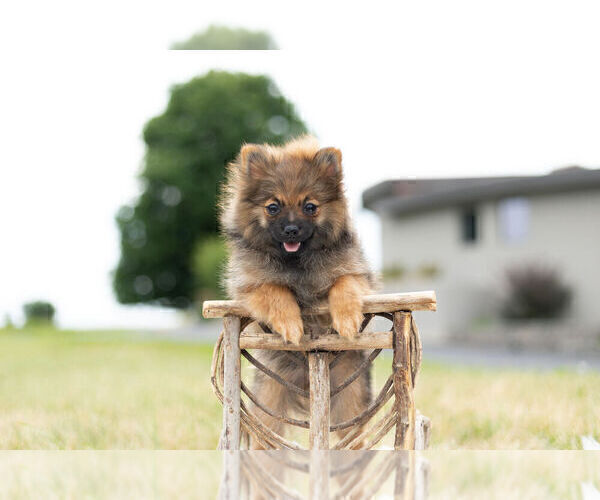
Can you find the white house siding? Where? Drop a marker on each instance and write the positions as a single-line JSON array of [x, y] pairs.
[[564, 232]]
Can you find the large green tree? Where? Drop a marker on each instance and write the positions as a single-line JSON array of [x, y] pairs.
[[187, 147], [226, 38]]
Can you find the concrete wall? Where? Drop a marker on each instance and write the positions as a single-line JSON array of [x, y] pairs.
[[564, 231]]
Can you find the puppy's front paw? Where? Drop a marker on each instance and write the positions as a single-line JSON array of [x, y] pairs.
[[276, 306], [290, 328], [346, 315], [345, 304]]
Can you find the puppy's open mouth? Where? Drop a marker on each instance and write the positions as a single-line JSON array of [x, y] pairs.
[[291, 247]]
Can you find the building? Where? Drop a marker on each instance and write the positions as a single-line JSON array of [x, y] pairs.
[[459, 236]]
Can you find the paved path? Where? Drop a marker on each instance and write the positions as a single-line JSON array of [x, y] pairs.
[[505, 358], [207, 332]]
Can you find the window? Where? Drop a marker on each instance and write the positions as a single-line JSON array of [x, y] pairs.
[[513, 219], [469, 225]]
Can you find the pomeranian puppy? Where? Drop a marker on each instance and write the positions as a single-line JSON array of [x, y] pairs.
[[292, 246]]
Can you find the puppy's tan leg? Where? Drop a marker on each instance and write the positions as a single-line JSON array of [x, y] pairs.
[[345, 304], [272, 395], [346, 405], [353, 399], [276, 306]]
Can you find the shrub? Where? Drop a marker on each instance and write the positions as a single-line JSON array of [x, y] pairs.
[[535, 292], [393, 272], [39, 312], [428, 271], [8, 322]]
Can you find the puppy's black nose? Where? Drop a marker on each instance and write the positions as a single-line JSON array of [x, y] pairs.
[[291, 230]]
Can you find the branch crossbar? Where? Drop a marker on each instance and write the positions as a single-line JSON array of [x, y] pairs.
[[389, 302], [328, 342]]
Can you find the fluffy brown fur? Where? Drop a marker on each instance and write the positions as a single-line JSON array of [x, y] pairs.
[[292, 245]]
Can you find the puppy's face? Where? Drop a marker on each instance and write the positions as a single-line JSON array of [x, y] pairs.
[[291, 222], [291, 203]]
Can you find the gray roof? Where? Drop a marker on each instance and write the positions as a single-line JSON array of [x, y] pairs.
[[397, 197]]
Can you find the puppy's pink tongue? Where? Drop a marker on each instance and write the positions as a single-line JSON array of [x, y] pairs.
[[291, 247]]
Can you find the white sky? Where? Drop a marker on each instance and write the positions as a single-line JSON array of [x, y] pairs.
[[419, 89]]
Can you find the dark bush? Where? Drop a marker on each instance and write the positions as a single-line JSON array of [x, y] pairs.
[[8, 323], [39, 312], [535, 291]]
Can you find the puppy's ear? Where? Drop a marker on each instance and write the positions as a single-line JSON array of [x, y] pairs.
[[329, 162], [254, 160]]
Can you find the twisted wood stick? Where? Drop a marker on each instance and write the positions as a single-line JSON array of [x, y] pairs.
[[354, 488], [247, 418], [340, 354], [280, 456], [383, 430], [362, 461], [384, 395], [386, 422], [416, 350], [288, 420], [362, 367], [262, 480], [273, 375], [358, 485]]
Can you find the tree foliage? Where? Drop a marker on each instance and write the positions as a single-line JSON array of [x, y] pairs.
[[208, 263], [225, 38], [187, 148]]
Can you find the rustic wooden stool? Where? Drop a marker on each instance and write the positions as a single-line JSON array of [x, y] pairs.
[[412, 430], [355, 474]]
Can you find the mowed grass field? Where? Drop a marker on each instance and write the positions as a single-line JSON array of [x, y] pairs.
[[102, 390]]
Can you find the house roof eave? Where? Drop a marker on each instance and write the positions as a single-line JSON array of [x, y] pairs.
[[382, 199]]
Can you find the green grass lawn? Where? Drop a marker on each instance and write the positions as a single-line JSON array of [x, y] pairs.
[[94, 390]]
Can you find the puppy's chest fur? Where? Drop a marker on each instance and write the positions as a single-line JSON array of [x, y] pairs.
[[308, 286], [309, 277], [309, 280]]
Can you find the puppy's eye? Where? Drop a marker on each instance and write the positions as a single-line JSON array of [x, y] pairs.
[[310, 209], [273, 209]]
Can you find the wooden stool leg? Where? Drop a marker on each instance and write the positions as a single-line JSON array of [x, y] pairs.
[[230, 436], [404, 487], [319, 474], [422, 432], [403, 387], [229, 488], [318, 367]]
